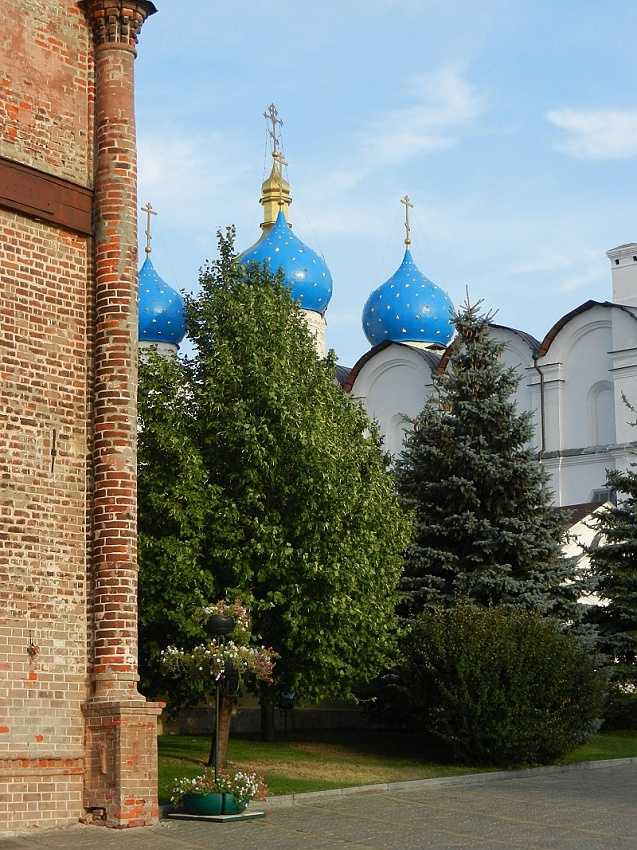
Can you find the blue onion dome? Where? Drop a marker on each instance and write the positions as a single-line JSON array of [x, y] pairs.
[[162, 312], [304, 271], [408, 308]]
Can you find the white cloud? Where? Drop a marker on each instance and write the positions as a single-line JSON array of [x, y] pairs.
[[443, 103], [439, 106], [577, 268], [597, 134], [192, 179]]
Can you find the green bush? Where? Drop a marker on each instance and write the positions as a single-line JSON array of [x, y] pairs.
[[621, 710], [501, 686]]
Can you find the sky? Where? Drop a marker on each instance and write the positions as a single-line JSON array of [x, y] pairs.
[[511, 125]]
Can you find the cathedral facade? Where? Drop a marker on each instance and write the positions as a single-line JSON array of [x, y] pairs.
[[77, 740], [577, 382]]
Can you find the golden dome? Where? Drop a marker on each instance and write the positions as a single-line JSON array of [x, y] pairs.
[[275, 194]]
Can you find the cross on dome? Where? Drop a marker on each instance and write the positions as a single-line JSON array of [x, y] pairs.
[[162, 317], [271, 114], [422, 314], [408, 205], [148, 209], [305, 273]]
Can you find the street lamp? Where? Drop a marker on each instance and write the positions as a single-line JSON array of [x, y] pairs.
[[217, 627]]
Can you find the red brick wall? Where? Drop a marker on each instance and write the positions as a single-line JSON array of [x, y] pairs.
[[45, 333], [43, 392], [74, 732], [45, 77], [44, 792]]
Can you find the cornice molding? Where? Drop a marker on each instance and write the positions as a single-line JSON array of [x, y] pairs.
[[39, 195], [117, 22]]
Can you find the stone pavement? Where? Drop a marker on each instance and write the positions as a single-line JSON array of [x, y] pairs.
[[588, 809]]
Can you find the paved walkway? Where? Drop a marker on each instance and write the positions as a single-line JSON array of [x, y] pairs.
[[579, 810]]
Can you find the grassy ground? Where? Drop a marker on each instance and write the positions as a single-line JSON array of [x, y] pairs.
[[314, 762], [606, 745]]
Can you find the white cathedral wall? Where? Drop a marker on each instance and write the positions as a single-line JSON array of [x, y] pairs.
[[624, 371], [581, 403], [393, 385], [590, 364], [575, 478], [317, 327], [582, 536], [397, 381], [518, 355], [165, 349], [582, 349]]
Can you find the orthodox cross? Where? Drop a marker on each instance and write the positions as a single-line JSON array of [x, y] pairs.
[[280, 159], [148, 209], [271, 114], [408, 205]]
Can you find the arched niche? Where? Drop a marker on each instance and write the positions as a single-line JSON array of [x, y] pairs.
[[601, 413]]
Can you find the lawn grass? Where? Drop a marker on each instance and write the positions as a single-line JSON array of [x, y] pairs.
[[605, 745], [310, 761], [322, 760]]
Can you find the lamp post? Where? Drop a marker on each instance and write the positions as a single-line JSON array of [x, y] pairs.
[[218, 626]]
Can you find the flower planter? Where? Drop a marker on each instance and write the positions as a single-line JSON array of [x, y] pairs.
[[218, 624], [203, 804], [231, 806]]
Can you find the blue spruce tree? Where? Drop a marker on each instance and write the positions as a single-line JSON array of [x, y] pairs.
[[485, 529]]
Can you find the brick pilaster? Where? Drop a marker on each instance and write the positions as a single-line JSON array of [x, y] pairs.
[[116, 25], [120, 787], [121, 779]]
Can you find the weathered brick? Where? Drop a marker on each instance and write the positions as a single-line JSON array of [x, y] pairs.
[[68, 314]]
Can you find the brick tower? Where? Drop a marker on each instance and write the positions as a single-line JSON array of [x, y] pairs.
[[76, 738]]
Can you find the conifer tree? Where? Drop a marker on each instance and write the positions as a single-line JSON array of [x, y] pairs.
[[614, 565], [261, 480], [485, 529]]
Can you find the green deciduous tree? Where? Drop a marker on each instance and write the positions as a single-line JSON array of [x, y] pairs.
[[261, 480], [485, 529]]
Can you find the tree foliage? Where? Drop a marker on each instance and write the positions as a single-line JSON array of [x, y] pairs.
[[261, 480], [485, 529], [614, 565]]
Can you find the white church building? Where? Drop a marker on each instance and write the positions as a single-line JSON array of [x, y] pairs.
[[573, 381]]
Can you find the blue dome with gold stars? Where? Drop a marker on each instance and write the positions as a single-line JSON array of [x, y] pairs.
[[408, 308], [162, 314], [304, 271]]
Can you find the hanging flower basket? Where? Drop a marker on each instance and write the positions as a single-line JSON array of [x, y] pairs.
[[224, 617], [219, 624]]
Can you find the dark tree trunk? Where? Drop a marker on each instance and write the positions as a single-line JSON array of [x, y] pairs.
[[226, 704], [225, 718], [267, 717]]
